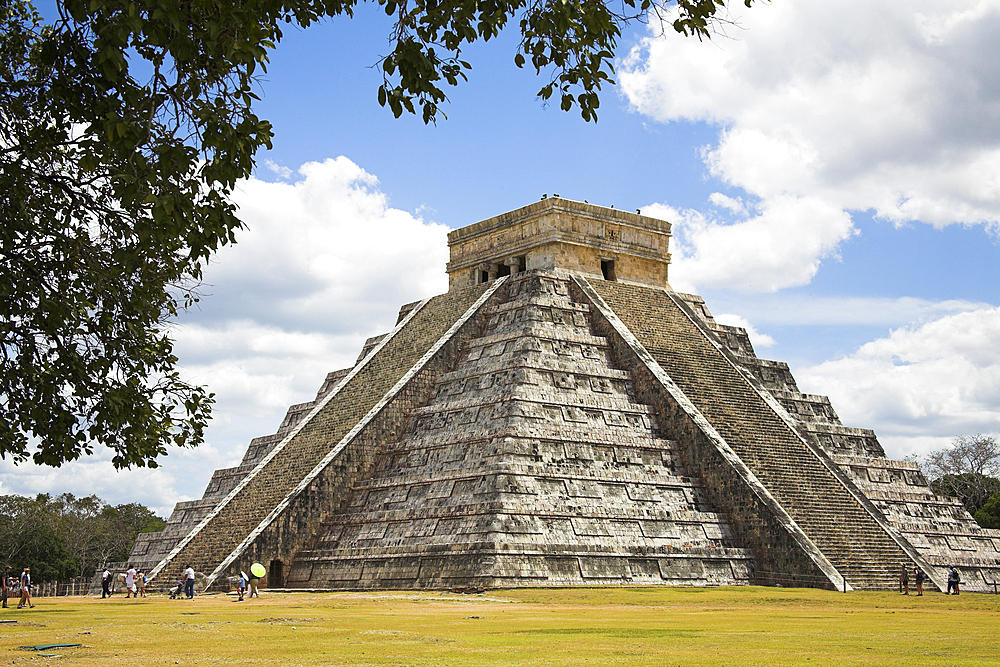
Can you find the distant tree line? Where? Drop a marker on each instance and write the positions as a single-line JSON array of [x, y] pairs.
[[62, 537], [969, 470]]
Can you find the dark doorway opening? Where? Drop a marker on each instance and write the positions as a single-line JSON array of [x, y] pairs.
[[484, 277], [275, 576], [503, 270], [608, 269]]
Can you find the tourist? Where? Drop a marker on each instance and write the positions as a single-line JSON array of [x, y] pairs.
[[241, 585], [25, 589], [189, 582], [130, 583], [254, 581], [953, 580], [140, 581], [6, 585], [904, 581], [106, 584], [919, 576]]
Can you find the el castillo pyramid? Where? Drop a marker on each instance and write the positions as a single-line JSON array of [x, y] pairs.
[[561, 417]]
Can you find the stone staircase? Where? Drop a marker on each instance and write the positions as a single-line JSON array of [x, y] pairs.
[[531, 464], [938, 527], [233, 522], [151, 548], [843, 530]]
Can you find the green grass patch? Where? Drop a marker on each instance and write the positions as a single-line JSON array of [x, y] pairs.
[[527, 627]]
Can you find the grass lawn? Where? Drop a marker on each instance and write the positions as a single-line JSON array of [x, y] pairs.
[[544, 627]]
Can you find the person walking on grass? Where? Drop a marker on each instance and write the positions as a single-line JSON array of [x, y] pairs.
[[130, 583], [141, 581], [919, 576], [189, 582], [26, 589], [106, 584], [904, 580]]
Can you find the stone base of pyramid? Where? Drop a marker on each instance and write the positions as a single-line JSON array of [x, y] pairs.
[[496, 567]]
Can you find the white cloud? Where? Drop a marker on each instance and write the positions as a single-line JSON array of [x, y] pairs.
[[815, 310], [157, 488], [757, 339], [278, 170], [324, 263], [781, 245], [325, 253], [825, 108], [735, 206], [920, 386]]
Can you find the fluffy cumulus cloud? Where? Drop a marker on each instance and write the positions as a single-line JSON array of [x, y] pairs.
[[325, 253], [324, 263], [780, 245], [158, 488], [825, 108], [919, 386]]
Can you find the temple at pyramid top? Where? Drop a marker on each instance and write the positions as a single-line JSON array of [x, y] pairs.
[[562, 235]]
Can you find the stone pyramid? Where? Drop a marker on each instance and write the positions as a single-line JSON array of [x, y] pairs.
[[562, 417]]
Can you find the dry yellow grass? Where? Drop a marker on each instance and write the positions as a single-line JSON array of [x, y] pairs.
[[636, 626]]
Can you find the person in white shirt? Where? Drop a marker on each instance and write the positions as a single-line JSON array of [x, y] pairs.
[[189, 582], [130, 583], [106, 584]]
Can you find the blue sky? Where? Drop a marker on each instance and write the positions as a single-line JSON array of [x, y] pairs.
[[832, 173]]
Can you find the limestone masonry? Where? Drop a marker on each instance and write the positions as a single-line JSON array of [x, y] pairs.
[[562, 417]]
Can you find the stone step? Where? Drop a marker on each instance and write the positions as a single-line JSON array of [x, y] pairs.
[[833, 519]]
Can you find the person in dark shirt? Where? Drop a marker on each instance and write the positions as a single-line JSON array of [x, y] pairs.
[[953, 580], [26, 589], [6, 586]]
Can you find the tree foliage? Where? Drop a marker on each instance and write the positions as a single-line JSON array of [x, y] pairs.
[[967, 470], [573, 40], [988, 516], [61, 537], [124, 127]]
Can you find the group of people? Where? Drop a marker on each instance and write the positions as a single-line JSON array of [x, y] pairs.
[[954, 579], [135, 583], [185, 585], [13, 586], [243, 584], [904, 580]]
